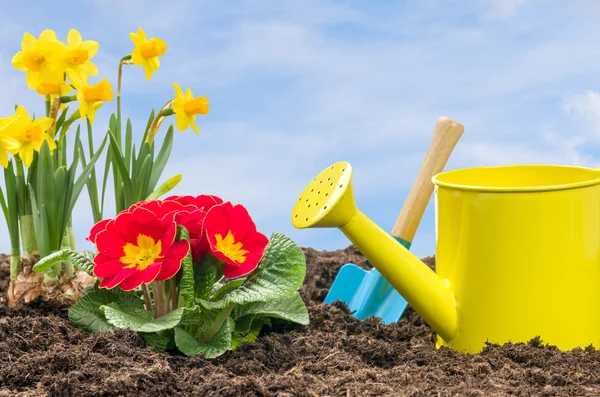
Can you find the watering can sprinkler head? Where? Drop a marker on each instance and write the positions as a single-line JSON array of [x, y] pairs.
[[328, 201]]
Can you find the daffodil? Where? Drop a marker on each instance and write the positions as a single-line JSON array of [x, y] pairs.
[[30, 134], [89, 95], [78, 56], [41, 59], [8, 144], [186, 107], [147, 51]]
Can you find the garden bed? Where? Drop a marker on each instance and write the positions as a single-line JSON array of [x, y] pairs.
[[42, 354]]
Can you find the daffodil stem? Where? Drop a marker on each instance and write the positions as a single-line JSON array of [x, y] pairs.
[[126, 60], [47, 101], [217, 323], [68, 98], [28, 235], [147, 299], [15, 263], [153, 130]]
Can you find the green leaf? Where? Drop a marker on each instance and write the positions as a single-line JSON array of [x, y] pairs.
[[290, 309], [161, 341], [141, 182], [243, 324], [251, 335], [186, 284], [128, 141], [280, 273], [227, 288], [206, 274], [213, 348], [82, 260], [141, 320], [117, 158], [161, 160], [86, 313]]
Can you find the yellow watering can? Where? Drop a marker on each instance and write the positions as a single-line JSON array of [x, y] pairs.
[[517, 255]]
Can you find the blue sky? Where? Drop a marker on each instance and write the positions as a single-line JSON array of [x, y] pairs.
[[295, 86]]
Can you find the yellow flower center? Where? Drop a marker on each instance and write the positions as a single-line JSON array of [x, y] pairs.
[[143, 254], [33, 133], [230, 248], [153, 48], [33, 60], [196, 106], [97, 92], [48, 88], [78, 57]]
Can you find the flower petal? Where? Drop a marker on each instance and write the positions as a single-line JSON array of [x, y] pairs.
[[97, 228], [113, 281], [172, 262], [145, 276], [108, 268]]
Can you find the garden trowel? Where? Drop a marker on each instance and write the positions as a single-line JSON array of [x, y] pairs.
[[368, 293]]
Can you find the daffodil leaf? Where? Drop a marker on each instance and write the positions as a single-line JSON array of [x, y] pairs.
[[279, 274], [82, 260], [290, 309], [161, 160], [117, 158], [142, 178], [148, 124], [186, 284], [86, 313], [128, 142], [216, 346]]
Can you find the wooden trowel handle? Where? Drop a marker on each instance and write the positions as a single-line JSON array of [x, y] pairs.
[[445, 137]]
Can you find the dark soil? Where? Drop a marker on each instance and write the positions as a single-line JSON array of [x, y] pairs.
[[42, 354]]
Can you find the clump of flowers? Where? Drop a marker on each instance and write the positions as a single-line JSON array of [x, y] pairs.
[[42, 182], [187, 273]]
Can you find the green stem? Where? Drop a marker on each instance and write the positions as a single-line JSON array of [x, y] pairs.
[[47, 101], [15, 263], [28, 240], [68, 98], [173, 294], [147, 299], [160, 300], [217, 323]]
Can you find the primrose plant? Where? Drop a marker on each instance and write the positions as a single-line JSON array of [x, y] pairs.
[[42, 183], [187, 273]]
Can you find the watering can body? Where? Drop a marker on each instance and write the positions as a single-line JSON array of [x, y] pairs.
[[519, 248], [517, 252]]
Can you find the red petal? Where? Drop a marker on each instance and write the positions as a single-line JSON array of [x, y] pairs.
[[172, 262], [167, 238], [140, 277], [97, 228], [108, 268], [139, 221], [242, 225], [113, 281], [109, 242]]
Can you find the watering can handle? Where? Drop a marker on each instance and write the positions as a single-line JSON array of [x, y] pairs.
[[445, 137]]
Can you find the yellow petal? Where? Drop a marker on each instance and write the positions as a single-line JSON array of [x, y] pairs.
[[83, 108], [29, 42], [182, 121], [154, 63], [17, 62], [148, 70], [26, 154], [3, 158], [51, 143], [89, 68], [10, 144], [91, 114], [194, 126], [74, 39], [91, 46], [44, 123], [21, 112], [188, 94], [65, 89], [47, 36], [137, 58], [32, 79], [77, 79], [178, 90]]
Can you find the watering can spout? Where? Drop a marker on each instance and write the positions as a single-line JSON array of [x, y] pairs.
[[328, 201]]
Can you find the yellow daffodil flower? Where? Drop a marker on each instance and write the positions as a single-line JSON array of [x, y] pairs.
[[146, 52], [8, 144], [89, 95], [78, 56], [186, 107], [30, 134], [40, 58]]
